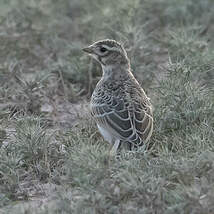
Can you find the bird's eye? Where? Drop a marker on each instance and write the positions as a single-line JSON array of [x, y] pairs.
[[102, 49]]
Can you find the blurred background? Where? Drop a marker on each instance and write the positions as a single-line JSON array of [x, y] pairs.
[[42, 63]]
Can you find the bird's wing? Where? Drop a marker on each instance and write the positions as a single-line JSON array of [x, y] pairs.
[[128, 121]]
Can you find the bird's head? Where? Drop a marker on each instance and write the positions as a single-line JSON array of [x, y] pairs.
[[108, 53]]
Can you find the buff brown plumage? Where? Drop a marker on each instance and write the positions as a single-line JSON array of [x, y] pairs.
[[119, 105]]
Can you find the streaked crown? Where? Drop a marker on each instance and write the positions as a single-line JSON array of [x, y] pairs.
[[107, 52]]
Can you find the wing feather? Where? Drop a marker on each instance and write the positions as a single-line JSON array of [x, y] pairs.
[[128, 121]]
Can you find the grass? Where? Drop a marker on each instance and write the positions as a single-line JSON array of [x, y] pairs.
[[52, 158]]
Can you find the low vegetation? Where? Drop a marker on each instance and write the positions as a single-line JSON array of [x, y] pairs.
[[52, 157]]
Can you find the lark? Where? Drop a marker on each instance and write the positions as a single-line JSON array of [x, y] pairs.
[[119, 105]]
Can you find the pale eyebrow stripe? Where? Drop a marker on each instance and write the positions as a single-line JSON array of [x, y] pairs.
[[112, 48]]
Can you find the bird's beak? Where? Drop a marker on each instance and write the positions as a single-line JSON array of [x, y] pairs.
[[88, 50]]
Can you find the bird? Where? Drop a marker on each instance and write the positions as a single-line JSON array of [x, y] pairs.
[[119, 105]]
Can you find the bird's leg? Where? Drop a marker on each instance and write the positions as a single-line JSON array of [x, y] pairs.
[[113, 150]]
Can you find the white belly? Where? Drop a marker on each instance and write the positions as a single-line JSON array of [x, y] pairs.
[[106, 134]]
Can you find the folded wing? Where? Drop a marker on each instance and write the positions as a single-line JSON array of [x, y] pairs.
[[128, 121]]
